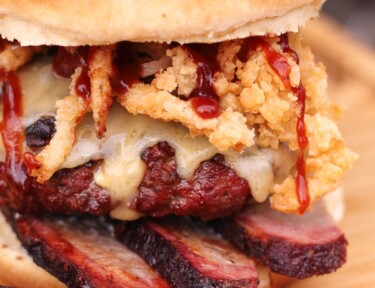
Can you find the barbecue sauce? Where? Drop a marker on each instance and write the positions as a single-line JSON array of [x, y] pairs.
[[204, 98], [3, 44], [300, 92], [65, 63], [12, 132], [279, 64], [127, 68]]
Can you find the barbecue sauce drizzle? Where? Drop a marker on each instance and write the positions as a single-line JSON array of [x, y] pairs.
[[279, 63], [3, 44], [204, 98], [12, 132], [65, 63], [126, 67]]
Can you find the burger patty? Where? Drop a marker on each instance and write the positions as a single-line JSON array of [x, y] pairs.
[[215, 190], [68, 191]]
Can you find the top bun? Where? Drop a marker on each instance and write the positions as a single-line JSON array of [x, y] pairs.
[[100, 22]]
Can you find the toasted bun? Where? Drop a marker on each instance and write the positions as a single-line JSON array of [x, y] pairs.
[[335, 204], [17, 267], [100, 22]]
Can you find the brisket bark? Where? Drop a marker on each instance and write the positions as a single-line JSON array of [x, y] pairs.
[[292, 245], [187, 254], [83, 253]]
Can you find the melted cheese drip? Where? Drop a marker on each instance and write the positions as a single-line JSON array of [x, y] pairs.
[[128, 136]]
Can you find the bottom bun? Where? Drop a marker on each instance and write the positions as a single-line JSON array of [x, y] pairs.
[[20, 270], [335, 204], [268, 279]]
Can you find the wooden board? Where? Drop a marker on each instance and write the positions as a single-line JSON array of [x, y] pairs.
[[356, 93]]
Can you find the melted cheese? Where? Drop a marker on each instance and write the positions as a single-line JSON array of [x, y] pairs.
[[122, 169]]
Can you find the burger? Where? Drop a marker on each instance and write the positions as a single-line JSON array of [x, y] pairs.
[[175, 127]]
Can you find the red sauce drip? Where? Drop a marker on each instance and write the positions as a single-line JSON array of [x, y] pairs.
[[301, 182], [279, 64], [3, 44], [277, 61], [284, 43], [127, 68], [204, 97], [65, 63], [205, 107], [13, 133], [83, 84], [30, 162]]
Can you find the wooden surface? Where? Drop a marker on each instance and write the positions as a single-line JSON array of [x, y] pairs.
[[357, 95]]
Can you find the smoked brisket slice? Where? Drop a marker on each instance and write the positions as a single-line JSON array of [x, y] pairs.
[[292, 245], [187, 254], [83, 253]]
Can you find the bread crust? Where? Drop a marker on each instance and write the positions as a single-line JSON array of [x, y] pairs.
[[98, 22], [18, 268]]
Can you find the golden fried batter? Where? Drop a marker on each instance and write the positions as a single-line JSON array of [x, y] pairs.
[[14, 56]]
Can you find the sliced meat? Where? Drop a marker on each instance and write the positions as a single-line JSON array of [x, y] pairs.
[[68, 191], [188, 255], [40, 132], [296, 246], [214, 191], [82, 253]]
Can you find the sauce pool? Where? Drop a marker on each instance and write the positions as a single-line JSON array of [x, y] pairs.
[[65, 63]]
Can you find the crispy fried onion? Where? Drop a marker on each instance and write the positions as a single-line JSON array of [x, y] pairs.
[[99, 71], [229, 130], [71, 110], [153, 57], [14, 56]]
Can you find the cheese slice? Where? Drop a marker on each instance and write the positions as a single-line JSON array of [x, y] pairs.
[[127, 136]]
